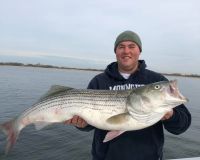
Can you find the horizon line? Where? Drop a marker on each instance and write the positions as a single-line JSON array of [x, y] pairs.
[[86, 69]]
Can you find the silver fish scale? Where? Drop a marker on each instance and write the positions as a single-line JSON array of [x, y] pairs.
[[91, 99]]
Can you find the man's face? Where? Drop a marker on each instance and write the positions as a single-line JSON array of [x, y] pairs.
[[127, 54]]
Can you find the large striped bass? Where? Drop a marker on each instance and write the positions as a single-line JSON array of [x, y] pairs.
[[116, 111]]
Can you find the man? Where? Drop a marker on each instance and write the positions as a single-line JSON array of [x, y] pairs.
[[130, 72]]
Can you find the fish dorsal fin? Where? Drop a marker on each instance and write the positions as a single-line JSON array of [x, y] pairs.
[[55, 90]]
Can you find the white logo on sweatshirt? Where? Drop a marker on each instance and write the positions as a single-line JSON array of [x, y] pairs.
[[125, 86]]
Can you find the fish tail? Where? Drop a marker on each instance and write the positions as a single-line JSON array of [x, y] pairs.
[[12, 133]]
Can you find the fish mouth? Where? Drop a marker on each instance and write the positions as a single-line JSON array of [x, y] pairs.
[[174, 91]]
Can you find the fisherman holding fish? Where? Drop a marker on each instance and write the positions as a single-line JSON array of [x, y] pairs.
[[129, 72], [127, 106]]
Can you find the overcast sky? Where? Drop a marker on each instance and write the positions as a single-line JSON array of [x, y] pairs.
[[76, 33]]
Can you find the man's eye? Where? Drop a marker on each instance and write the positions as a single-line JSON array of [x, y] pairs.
[[121, 47], [131, 46]]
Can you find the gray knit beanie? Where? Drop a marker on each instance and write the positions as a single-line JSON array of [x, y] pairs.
[[128, 36]]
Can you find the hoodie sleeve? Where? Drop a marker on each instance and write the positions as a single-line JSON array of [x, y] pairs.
[[179, 122]]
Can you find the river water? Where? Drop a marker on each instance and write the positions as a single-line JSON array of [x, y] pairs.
[[20, 87]]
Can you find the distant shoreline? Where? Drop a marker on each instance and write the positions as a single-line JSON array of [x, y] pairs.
[[44, 66], [84, 69]]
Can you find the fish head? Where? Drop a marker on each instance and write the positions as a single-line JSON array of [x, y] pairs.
[[167, 93], [163, 94], [173, 94]]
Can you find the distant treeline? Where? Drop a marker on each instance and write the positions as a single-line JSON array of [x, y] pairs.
[[57, 67], [182, 75], [43, 66]]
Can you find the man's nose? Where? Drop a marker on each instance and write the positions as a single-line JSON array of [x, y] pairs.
[[126, 49]]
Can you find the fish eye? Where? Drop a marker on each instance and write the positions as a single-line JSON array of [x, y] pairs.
[[157, 87]]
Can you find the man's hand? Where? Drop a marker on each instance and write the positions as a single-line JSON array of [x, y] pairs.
[[77, 121], [168, 115]]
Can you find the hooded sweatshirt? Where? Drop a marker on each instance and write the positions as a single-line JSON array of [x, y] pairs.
[[140, 144]]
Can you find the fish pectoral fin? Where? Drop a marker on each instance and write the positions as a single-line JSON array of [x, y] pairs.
[[118, 119], [111, 135], [40, 125]]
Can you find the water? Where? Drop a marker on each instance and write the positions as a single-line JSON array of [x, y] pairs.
[[21, 87]]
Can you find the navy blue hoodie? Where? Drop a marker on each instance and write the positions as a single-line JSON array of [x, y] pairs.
[[141, 144]]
